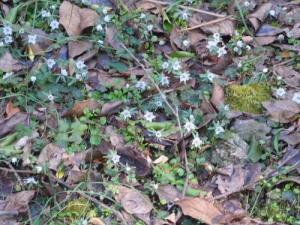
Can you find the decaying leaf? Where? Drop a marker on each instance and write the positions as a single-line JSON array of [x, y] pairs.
[[111, 107], [282, 111], [9, 124], [75, 175], [200, 209], [19, 201], [225, 27], [9, 64], [11, 110], [291, 77], [76, 48], [111, 35], [168, 193], [291, 136], [259, 15], [76, 19], [217, 98], [51, 155], [79, 107]]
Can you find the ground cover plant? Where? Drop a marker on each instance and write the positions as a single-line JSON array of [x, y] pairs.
[[149, 112]]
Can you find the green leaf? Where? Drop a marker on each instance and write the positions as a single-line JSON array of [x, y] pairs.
[[192, 192], [182, 54], [255, 151], [120, 67]]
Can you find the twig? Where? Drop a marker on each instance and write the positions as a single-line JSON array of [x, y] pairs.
[[207, 23], [187, 7]]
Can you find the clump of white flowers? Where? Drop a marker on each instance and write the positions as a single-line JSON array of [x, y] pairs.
[[208, 76], [216, 46], [50, 63], [280, 93], [184, 77], [126, 114], [189, 124], [141, 85], [7, 32], [32, 39], [197, 142]]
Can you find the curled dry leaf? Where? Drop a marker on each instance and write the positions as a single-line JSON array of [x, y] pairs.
[[225, 27], [9, 124], [19, 201], [11, 110], [76, 19], [217, 98], [291, 77], [9, 64], [76, 48], [282, 111], [52, 155], [161, 159], [259, 15], [290, 136], [75, 175], [111, 35], [111, 108], [78, 108]]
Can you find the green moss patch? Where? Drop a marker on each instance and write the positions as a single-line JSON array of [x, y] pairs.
[[247, 98]]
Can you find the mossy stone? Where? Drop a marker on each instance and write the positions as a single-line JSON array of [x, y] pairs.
[[247, 98]]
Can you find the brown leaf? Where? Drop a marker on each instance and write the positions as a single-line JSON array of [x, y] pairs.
[[75, 175], [265, 40], [259, 15], [133, 201], [76, 19], [42, 41], [78, 108], [9, 124], [76, 48], [11, 110], [225, 27], [290, 136], [9, 64], [111, 108], [96, 221], [200, 209], [291, 77], [19, 201], [52, 155], [282, 111], [296, 31], [168, 193], [111, 34], [217, 98]]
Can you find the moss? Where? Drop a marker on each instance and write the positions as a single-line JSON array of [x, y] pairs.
[[247, 98]]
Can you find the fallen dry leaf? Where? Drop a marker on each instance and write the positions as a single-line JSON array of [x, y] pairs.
[[19, 201], [75, 175], [161, 159], [200, 209], [168, 193], [78, 108], [225, 27], [76, 48], [265, 40], [217, 98], [76, 19], [9, 64], [96, 221], [291, 77], [11, 110], [111, 107], [52, 155], [111, 34], [291, 136], [282, 111], [9, 124], [259, 15]]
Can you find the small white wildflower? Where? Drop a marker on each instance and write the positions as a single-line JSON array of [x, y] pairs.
[[197, 142], [100, 42], [33, 79], [189, 125], [107, 18], [158, 134], [105, 10], [186, 43], [240, 64], [32, 39], [289, 34], [184, 77], [45, 13], [7, 30], [279, 78], [165, 65], [222, 51], [265, 70], [296, 97], [1, 43], [248, 47], [14, 160], [50, 97], [184, 14], [80, 65], [142, 16], [141, 85], [149, 116], [162, 42], [280, 37], [7, 75], [115, 158], [219, 129], [99, 27], [38, 169], [217, 37], [30, 180], [155, 186], [8, 39], [54, 24], [164, 81], [127, 168], [21, 31], [150, 27], [126, 114], [272, 13], [236, 49], [280, 92], [212, 44], [240, 44], [50, 63], [210, 76], [176, 65], [64, 72], [247, 3], [158, 103]]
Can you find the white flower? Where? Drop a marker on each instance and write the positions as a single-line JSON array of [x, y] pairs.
[[107, 18], [158, 103], [99, 27], [247, 3], [100, 42], [7, 75], [240, 64], [189, 125], [184, 77], [222, 51], [30, 180], [32, 39], [64, 72], [8, 39], [165, 65], [296, 97], [1, 43], [265, 70], [212, 44], [279, 78], [280, 92], [272, 13], [176, 65], [127, 168], [158, 134], [142, 16], [115, 158], [162, 42], [150, 27], [50, 97], [289, 34], [184, 14], [210, 76], [240, 44], [280, 37], [149, 116], [248, 47], [197, 142], [33, 79], [21, 31], [141, 85], [219, 129], [45, 13], [81, 76], [236, 49], [105, 10], [126, 114], [14, 160], [186, 43], [54, 24], [7, 31], [80, 65], [217, 37], [50, 63], [164, 81], [38, 169]]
